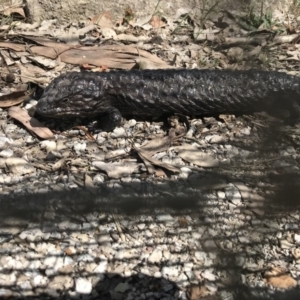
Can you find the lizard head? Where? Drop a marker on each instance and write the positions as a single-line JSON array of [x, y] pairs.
[[72, 95]]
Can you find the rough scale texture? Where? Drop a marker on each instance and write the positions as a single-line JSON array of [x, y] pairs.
[[157, 92]]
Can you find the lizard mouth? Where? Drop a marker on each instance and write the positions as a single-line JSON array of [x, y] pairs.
[[44, 109]]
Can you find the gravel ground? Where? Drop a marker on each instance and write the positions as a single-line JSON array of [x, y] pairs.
[[229, 230], [174, 209]]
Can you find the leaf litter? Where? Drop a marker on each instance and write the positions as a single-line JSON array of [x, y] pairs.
[[203, 154], [30, 123], [45, 55], [14, 98]]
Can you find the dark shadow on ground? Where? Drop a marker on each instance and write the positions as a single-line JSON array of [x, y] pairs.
[[193, 197]]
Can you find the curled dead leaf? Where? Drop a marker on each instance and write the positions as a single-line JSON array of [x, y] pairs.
[[32, 73], [19, 166], [113, 56], [196, 156], [157, 145], [157, 22], [30, 123], [117, 170], [282, 281], [279, 278], [59, 164], [148, 160], [103, 20], [196, 292], [227, 118], [14, 98], [14, 10]]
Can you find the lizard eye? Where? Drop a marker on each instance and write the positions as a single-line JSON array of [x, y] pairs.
[[65, 100]]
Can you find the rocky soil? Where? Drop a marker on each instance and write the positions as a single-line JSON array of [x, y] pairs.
[[157, 209]]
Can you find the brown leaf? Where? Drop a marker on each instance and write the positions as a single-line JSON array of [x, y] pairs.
[[196, 292], [151, 169], [43, 61], [103, 20], [14, 98], [88, 181], [113, 56], [282, 281], [144, 155], [59, 164], [157, 22], [14, 10], [130, 38], [279, 278], [117, 170], [19, 166], [157, 145], [31, 73], [7, 58], [228, 119], [30, 123], [159, 172], [87, 66], [196, 156], [88, 135], [12, 46], [95, 69]]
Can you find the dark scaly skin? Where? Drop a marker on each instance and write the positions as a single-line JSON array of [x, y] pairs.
[[151, 93]]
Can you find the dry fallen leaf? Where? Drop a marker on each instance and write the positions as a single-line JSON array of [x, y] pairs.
[[30, 123], [227, 118], [159, 172], [7, 58], [59, 164], [282, 281], [157, 145], [103, 20], [130, 38], [19, 166], [46, 62], [279, 278], [113, 56], [12, 46], [196, 156], [14, 98], [117, 170], [88, 181], [157, 22], [89, 184], [72, 35], [14, 10], [196, 292], [95, 69], [144, 65], [88, 135], [31, 73], [145, 156]]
